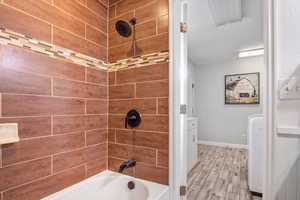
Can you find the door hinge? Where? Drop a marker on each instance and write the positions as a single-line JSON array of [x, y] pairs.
[[183, 108], [183, 27], [183, 190]]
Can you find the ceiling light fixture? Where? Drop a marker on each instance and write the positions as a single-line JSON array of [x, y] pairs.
[[251, 53], [226, 11]]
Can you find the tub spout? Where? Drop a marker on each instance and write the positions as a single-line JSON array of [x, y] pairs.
[[126, 165]]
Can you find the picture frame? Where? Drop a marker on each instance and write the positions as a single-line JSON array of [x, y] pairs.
[[242, 89]]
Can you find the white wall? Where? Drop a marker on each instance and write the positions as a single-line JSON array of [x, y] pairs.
[[286, 150], [219, 122]]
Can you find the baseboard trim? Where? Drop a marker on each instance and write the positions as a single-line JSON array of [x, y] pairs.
[[220, 144]]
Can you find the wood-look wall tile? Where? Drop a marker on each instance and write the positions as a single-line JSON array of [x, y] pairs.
[[112, 2], [49, 13], [152, 44], [46, 186], [140, 154], [96, 36], [75, 43], [114, 164], [95, 91], [20, 105], [163, 106], [22, 173], [30, 127], [155, 123], [76, 9], [126, 5], [68, 124], [163, 24], [116, 121], [78, 157], [24, 83], [104, 2], [67, 88], [83, 2], [96, 107], [112, 78], [30, 26], [95, 122], [152, 89], [39, 147], [97, 76], [27, 61], [146, 29], [99, 8], [120, 52], [145, 106], [142, 138], [96, 166], [96, 136], [112, 12], [111, 135], [122, 91], [141, 74], [150, 173], [152, 10], [163, 157]]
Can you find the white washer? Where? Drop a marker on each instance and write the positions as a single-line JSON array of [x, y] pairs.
[[256, 142]]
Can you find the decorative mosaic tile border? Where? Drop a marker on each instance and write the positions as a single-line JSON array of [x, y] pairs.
[[8, 37], [140, 61]]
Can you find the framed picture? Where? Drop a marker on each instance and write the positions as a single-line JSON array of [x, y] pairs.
[[242, 88]]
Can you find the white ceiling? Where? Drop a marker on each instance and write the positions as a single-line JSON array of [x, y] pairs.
[[208, 43]]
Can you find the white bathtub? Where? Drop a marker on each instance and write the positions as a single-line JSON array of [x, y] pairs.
[[108, 185]]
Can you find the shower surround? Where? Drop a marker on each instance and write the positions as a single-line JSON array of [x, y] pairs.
[[70, 101]]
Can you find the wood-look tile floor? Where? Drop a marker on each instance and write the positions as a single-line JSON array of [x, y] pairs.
[[220, 174]]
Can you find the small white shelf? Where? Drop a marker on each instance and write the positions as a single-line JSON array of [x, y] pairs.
[[289, 131]]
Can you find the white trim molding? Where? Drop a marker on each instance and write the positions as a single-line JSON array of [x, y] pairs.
[[221, 144]]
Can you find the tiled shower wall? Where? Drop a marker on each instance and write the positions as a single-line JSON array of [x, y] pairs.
[[143, 88], [79, 25], [62, 107], [61, 111], [151, 29]]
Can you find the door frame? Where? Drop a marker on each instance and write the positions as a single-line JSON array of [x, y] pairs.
[[177, 166], [175, 175]]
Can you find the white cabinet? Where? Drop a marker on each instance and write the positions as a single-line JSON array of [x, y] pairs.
[[192, 147]]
